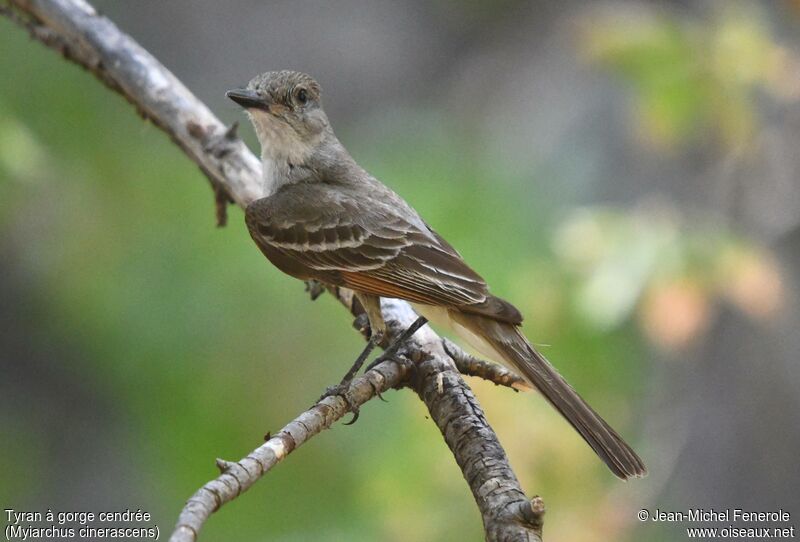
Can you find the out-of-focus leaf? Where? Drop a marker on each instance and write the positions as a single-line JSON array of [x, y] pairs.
[[692, 77], [653, 264], [752, 280]]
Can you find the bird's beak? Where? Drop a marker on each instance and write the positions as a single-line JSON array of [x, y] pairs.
[[247, 98]]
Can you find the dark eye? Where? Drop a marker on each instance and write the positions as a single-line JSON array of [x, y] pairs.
[[302, 96]]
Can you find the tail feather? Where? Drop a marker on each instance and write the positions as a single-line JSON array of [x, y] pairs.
[[508, 341]]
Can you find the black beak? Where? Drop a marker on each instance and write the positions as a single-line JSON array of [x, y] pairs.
[[247, 98]]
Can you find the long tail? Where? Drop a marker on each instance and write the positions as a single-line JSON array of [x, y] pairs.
[[495, 338]]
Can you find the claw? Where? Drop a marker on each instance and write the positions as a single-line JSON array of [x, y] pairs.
[[343, 391], [377, 391], [356, 413]]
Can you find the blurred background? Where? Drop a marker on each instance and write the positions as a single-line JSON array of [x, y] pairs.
[[625, 172]]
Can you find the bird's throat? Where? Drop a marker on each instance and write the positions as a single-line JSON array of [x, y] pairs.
[[275, 174]]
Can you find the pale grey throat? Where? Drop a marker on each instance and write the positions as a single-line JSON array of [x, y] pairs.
[[284, 154]]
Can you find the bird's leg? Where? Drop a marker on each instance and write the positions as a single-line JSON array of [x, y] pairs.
[[377, 336], [372, 307], [398, 342]]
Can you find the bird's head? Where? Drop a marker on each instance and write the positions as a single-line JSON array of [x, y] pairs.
[[286, 112]]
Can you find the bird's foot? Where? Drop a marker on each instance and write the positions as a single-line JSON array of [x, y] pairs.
[[342, 389]]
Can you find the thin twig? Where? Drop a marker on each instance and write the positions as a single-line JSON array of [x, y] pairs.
[[468, 364]]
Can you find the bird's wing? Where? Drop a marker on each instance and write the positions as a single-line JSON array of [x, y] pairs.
[[368, 246]]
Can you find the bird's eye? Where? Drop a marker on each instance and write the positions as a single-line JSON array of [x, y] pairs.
[[302, 96]]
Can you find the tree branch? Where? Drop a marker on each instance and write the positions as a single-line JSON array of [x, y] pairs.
[[81, 35], [468, 364]]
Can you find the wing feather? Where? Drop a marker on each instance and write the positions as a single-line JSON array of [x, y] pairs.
[[368, 246]]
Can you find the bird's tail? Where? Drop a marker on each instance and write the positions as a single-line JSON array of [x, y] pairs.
[[493, 339]]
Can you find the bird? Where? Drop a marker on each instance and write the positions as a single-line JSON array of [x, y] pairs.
[[325, 218]]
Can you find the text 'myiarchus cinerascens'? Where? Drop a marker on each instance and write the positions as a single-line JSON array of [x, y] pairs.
[[325, 218]]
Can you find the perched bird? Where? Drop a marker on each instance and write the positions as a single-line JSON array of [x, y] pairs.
[[325, 218]]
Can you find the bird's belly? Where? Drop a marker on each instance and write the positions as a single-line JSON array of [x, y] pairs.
[[440, 317]]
